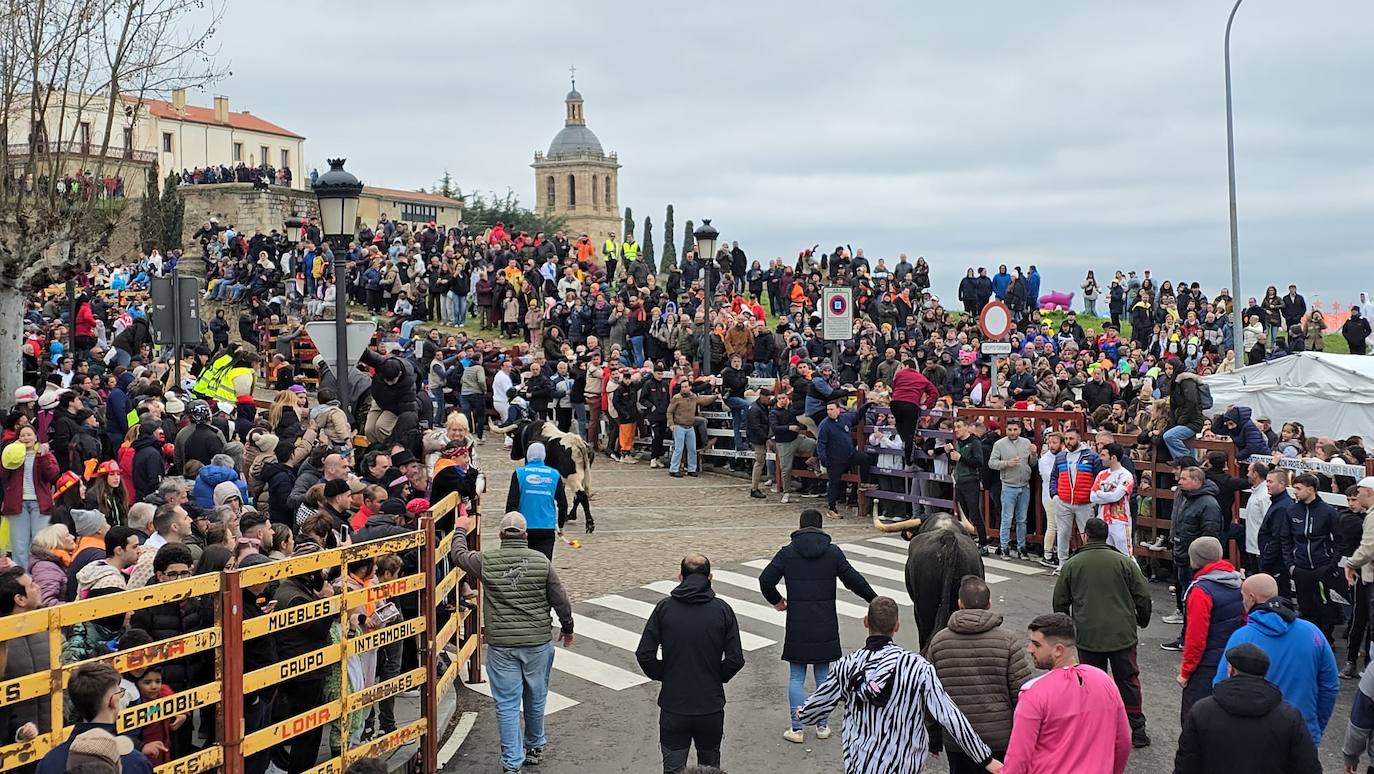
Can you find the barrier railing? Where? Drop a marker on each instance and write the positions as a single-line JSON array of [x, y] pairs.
[[426, 578]]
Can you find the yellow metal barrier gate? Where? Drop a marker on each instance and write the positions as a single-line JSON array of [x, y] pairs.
[[445, 618]]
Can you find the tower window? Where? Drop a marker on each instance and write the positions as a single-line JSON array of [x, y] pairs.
[[610, 200], [550, 192], [572, 192], [596, 194]]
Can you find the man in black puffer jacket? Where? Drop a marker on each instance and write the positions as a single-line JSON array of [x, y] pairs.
[[395, 414], [810, 564], [1245, 725], [173, 562]]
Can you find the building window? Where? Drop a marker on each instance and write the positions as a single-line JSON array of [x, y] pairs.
[[238, 151], [572, 192], [128, 142], [285, 158], [610, 200], [596, 193], [419, 213], [84, 136], [264, 155], [550, 192], [166, 142]]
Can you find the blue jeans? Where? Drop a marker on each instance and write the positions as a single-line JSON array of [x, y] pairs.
[[579, 416], [1015, 501], [637, 345], [1175, 437], [796, 688], [437, 398], [408, 327], [460, 306], [475, 407], [122, 357], [519, 676], [737, 408], [684, 437], [23, 526]]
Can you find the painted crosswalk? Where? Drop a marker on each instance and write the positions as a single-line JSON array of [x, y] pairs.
[[609, 627]]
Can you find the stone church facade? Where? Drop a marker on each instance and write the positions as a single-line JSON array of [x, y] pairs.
[[578, 181]]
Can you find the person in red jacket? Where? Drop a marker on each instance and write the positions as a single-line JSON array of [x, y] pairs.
[[1215, 611], [911, 392], [27, 477], [85, 325]]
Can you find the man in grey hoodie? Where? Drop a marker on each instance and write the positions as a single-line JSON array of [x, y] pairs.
[[1011, 457]]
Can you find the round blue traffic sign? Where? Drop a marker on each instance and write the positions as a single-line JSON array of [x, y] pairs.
[[839, 304]]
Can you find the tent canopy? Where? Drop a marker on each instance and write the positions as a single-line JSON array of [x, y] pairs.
[[1329, 394]]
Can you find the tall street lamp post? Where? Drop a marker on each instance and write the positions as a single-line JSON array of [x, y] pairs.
[[706, 236], [1237, 321], [337, 192]]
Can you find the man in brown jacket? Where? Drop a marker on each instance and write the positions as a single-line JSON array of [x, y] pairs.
[[682, 417], [982, 667]]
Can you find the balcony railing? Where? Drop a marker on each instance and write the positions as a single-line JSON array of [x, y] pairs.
[[89, 150]]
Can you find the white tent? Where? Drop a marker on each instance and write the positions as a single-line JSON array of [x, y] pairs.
[[1329, 394]]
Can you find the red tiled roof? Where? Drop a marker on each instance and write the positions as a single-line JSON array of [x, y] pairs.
[[411, 196], [204, 115]]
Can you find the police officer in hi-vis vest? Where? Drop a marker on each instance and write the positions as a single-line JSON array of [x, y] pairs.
[[610, 253], [536, 490]]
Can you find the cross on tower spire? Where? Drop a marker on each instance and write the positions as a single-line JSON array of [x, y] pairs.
[[572, 75]]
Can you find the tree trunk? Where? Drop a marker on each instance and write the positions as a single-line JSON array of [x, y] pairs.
[[11, 341]]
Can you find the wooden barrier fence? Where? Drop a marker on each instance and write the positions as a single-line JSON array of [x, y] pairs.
[[426, 572]]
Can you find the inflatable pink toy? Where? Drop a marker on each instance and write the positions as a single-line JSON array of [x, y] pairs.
[[1054, 300]]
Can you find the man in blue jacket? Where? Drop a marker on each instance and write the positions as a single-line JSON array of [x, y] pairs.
[[1275, 520], [836, 450], [1309, 543], [810, 565], [1301, 663], [1000, 282], [536, 490]]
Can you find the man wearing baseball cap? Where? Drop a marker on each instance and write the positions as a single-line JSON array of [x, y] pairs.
[[521, 586]]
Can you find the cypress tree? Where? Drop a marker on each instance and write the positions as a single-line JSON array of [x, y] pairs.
[[173, 214], [629, 223], [150, 224], [669, 249], [649, 245], [689, 242]]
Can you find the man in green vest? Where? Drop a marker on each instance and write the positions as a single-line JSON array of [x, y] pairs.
[[521, 586], [610, 253]]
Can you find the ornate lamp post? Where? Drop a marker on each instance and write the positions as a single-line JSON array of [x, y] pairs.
[[706, 236], [338, 192]]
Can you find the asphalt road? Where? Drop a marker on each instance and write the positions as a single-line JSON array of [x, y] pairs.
[[602, 714]]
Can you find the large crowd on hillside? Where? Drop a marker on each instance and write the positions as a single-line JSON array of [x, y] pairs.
[[116, 476]]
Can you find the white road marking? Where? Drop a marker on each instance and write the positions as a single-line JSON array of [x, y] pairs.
[[604, 632], [456, 739], [593, 671], [556, 702], [847, 609], [641, 609], [996, 564], [882, 591]]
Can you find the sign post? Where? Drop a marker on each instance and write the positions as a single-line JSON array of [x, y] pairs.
[[837, 318], [995, 323]]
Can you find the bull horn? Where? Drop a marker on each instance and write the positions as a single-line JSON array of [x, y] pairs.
[[967, 525], [499, 429], [900, 526]]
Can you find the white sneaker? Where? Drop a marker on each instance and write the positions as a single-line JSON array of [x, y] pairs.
[[786, 497], [1173, 618], [653, 463], [823, 732], [795, 737]]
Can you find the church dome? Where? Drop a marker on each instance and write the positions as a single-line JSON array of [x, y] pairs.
[[575, 139]]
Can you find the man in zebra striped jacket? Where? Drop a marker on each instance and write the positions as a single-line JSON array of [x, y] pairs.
[[887, 691]]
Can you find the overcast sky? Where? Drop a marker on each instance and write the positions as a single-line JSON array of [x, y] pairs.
[[1070, 135]]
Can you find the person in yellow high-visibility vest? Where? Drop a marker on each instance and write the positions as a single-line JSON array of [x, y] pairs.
[[229, 376], [629, 253], [610, 253]]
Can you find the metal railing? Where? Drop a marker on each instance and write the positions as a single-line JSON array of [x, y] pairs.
[[78, 148], [434, 581]]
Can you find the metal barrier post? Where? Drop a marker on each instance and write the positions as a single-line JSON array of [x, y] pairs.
[[429, 656], [478, 628], [231, 704]]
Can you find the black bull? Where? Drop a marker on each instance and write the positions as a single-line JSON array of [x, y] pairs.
[[566, 453], [938, 557]]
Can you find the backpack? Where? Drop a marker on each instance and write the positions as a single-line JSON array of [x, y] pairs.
[[1204, 396]]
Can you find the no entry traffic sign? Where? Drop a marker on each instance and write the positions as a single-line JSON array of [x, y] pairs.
[[837, 317], [995, 320]]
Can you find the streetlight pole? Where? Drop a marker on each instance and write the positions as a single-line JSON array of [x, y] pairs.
[[338, 192], [706, 236], [1237, 316]]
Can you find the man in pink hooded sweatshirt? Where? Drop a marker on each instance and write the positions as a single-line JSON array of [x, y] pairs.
[[1071, 718]]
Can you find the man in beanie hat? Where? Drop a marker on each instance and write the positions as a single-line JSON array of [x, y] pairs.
[[536, 492], [149, 464], [1215, 611], [1301, 663], [521, 586], [1245, 725], [90, 541], [810, 564]]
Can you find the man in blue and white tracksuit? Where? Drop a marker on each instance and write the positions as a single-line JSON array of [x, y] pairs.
[[536, 491]]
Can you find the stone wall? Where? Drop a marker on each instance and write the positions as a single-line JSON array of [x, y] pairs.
[[243, 207]]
